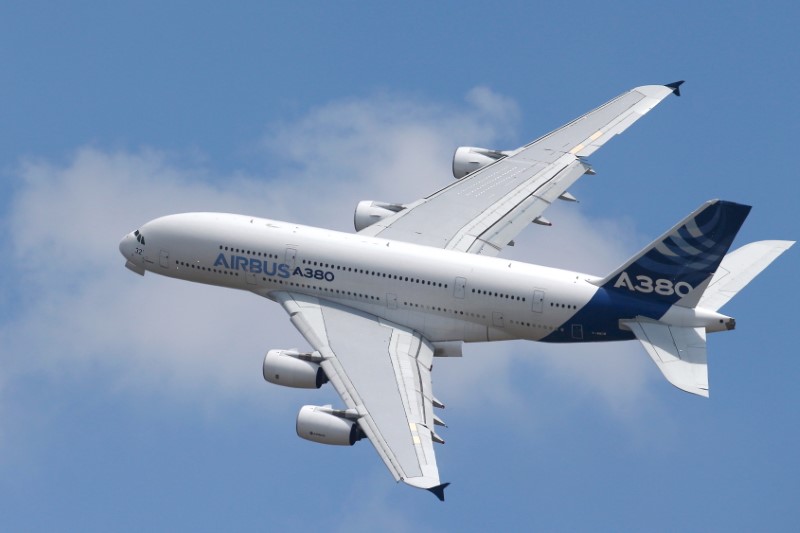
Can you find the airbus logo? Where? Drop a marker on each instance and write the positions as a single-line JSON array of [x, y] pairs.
[[270, 268]]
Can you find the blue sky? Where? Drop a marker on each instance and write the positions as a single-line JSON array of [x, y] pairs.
[[132, 403]]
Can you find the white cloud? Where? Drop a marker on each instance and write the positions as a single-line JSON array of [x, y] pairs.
[[385, 148], [84, 309]]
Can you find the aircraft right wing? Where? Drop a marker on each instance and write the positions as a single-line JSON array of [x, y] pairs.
[[483, 211]]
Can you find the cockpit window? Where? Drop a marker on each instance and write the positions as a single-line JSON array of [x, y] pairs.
[[139, 236]]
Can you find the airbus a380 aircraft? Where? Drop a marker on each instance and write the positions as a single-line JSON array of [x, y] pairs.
[[418, 280]]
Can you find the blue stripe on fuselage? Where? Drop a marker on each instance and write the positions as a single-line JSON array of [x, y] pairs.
[[599, 318]]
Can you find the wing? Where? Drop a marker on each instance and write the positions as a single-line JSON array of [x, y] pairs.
[[383, 372], [486, 209]]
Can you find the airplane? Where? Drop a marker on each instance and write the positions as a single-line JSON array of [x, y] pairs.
[[417, 280]]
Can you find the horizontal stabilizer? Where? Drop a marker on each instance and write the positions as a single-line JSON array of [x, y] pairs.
[[678, 351], [738, 268]]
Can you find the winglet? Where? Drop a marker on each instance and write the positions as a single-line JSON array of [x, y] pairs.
[[675, 86], [438, 490]]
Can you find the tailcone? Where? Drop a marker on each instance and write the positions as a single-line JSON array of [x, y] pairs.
[[698, 317]]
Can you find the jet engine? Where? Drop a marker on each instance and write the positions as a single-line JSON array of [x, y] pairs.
[[469, 159], [293, 369], [327, 426], [369, 212]]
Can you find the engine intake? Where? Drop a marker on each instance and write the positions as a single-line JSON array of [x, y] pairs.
[[368, 212], [470, 158], [293, 369], [327, 426]]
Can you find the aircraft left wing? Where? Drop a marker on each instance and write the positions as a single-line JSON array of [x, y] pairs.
[[382, 372], [483, 211]]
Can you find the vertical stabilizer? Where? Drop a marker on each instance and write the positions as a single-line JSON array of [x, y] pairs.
[[678, 266]]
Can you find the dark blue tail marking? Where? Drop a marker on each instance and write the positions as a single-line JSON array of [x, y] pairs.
[[683, 258], [665, 272]]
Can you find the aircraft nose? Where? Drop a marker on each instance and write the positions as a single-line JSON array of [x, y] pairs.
[[133, 261], [126, 246]]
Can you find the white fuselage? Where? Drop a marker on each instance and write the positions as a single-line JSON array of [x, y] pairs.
[[445, 295]]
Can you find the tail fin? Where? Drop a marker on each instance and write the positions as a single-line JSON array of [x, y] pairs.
[[677, 267], [688, 266]]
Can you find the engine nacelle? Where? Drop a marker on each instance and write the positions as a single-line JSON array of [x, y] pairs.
[[317, 424], [287, 368], [470, 158], [369, 212]]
